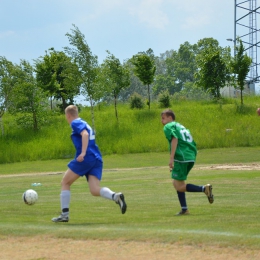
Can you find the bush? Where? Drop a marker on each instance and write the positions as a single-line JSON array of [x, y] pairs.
[[164, 99], [136, 101]]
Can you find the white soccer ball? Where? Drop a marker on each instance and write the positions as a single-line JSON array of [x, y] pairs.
[[30, 197]]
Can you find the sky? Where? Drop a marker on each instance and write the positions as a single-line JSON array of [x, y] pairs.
[[124, 27]]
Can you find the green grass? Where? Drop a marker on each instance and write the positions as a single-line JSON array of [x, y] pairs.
[[205, 156], [232, 221], [138, 131]]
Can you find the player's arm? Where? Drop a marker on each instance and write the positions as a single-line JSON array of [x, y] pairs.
[[174, 144], [84, 136]]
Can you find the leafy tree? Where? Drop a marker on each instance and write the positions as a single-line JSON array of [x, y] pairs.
[[116, 77], [8, 79], [213, 73], [176, 68], [161, 66], [205, 44], [58, 76], [88, 67], [165, 82], [182, 64], [135, 86], [240, 66], [27, 98], [144, 69], [149, 53]]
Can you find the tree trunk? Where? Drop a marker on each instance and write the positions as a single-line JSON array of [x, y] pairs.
[[241, 95], [92, 114], [218, 92], [149, 99], [63, 103], [2, 125], [116, 109], [35, 122]]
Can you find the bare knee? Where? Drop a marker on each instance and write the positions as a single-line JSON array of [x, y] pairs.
[[65, 185], [95, 191], [67, 180], [179, 185], [93, 183]]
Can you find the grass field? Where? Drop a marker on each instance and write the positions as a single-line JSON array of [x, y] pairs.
[[231, 222]]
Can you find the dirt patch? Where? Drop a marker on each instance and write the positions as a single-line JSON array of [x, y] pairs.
[[29, 174], [49, 248], [234, 167], [238, 167]]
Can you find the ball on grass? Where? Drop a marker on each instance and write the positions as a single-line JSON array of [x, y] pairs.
[[30, 197]]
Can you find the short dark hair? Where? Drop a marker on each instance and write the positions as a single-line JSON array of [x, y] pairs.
[[168, 112]]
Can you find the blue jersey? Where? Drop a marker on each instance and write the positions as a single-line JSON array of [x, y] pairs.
[[92, 153]]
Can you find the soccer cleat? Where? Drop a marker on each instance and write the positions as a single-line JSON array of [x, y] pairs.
[[208, 192], [183, 212], [61, 218], [120, 200]]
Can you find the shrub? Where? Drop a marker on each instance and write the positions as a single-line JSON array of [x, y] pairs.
[[136, 101], [164, 99]]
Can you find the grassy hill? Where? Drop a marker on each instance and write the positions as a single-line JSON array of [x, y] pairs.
[[213, 125]]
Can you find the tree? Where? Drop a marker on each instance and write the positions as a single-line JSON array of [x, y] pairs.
[[27, 100], [175, 68], [144, 69], [136, 85], [88, 67], [58, 76], [205, 44], [240, 66], [8, 79], [165, 82], [115, 77], [213, 71], [182, 64], [161, 66]]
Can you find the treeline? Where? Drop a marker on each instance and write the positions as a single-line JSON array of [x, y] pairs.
[[30, 91]]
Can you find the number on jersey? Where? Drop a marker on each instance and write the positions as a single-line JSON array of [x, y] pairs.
[[91, 133], [186, 136]]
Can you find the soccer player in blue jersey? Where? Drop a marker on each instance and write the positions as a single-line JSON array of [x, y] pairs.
[[183, 154], [87, 162]]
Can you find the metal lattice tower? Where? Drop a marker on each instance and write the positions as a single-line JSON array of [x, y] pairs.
[[246, 14]]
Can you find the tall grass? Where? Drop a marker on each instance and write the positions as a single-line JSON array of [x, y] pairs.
[[213, 125]]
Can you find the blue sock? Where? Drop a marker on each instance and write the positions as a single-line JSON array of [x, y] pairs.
[[182, 199], [194, 188]]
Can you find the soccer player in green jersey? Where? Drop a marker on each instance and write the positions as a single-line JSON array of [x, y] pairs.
[[183, 153]]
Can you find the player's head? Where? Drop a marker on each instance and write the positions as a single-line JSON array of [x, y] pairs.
[[167, 116], [71, 112]]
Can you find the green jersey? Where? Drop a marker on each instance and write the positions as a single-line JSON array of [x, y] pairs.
[[186, 150]]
